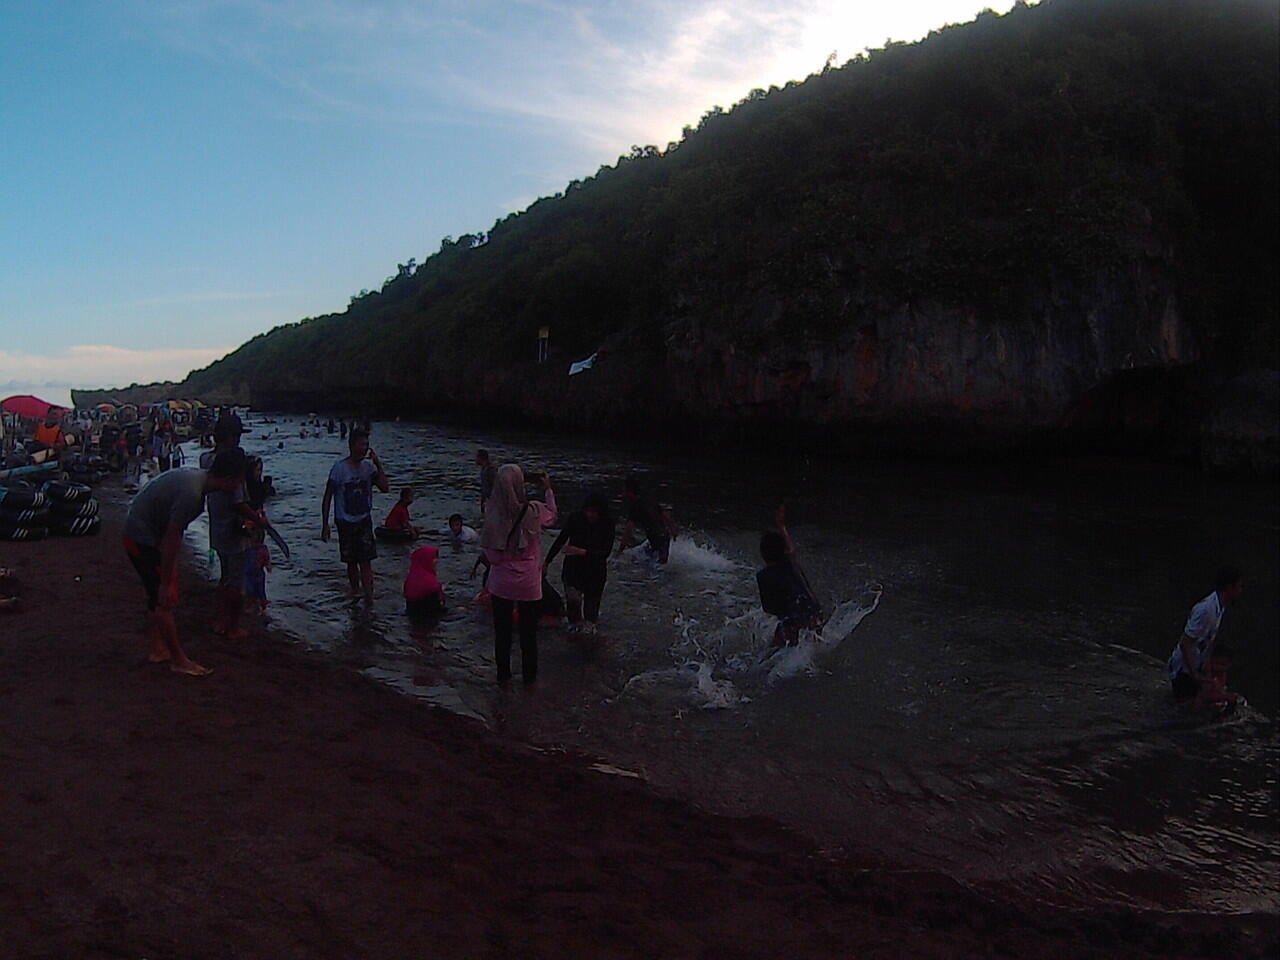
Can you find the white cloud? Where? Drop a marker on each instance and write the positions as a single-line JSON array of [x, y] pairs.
[[604, 75], [100, 365]]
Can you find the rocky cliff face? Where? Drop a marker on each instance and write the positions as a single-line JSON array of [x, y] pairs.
[[1111, 366]]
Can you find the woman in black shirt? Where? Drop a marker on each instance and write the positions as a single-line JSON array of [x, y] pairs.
[[587, 540]]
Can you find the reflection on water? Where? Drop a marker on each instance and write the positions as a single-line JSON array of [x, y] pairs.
[[988, 698]]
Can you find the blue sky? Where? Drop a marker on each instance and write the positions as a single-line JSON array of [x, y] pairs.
[[176, 177]]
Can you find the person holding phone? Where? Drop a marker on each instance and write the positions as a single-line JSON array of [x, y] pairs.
[[350, 490]]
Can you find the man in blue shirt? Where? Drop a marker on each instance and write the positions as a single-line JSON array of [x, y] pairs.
[[1190, 658], [350, 491]]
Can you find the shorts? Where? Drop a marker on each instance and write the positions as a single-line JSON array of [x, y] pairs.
[[1184, 686], [231, 568], [146, 560], [355, 541]]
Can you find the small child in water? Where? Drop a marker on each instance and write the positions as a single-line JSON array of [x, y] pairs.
[[257, 561], [1213, 693], [398, 518], [459, 534], [784, 591], [423, 593]]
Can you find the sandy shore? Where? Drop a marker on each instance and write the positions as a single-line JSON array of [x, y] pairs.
[[285, 808]]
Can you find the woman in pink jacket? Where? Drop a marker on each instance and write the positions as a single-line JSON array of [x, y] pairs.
[[512, 542]]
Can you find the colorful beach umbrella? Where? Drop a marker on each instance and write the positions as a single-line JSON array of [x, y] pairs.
[[25, 405]]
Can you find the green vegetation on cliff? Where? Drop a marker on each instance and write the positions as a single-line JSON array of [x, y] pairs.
[[977, 169]]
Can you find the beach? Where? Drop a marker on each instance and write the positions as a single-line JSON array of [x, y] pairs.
[[285, 807]]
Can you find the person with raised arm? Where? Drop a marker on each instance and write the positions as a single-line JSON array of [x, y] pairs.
[[512, 543], [350, 491]]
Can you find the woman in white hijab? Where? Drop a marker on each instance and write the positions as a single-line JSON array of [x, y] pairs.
[[512, 542]]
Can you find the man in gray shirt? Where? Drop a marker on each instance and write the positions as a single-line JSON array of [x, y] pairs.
[[227, 515], [153, 535]]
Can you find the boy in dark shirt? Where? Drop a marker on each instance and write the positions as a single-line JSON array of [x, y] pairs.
[[784, 591], [587, 541], [657, 523]]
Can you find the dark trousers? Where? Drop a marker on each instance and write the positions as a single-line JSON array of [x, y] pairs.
[[530, 610], [1185, 686], [582, 597]]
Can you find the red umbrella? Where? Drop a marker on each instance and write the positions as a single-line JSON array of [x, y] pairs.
[[25, 405]]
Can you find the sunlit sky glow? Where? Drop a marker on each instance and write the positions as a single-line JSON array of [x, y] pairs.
[[179, 176]]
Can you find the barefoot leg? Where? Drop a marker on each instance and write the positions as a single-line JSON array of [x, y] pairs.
[[366, 580], [353, 578], [156, 638], [230, 602], [179, 661]]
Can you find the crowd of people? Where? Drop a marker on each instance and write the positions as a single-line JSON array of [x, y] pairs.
[[516, 584], [83, 443]]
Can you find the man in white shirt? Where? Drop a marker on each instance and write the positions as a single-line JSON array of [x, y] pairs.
[[1191, 656]]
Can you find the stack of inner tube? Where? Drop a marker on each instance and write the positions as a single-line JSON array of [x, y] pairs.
[[72, 510], [24, 513]]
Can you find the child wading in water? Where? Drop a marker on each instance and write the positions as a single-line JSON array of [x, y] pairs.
[[784, 591], [398, 518], [257, 561], [423, 593], [587, 541]]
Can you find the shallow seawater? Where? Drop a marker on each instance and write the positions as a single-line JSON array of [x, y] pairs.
[[988, 698]]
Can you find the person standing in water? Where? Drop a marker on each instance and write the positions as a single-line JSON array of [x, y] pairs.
[[658, 524], [153, 538], [228, 512], [487, 475], [512, 543], [587, 541], [1190, 658], [784, 590], [350, 490]]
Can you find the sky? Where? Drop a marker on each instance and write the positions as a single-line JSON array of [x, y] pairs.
[[176, 177]]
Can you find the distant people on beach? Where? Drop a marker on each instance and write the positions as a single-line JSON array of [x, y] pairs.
[[587, 541], [398, 519], [423, 592], [153, 539], [657, 522], [460, 534], [784, 589], [349, 489], [512, 542], [487, 475], [228, 512], [1189, 662], [342, 429], [49, 435]]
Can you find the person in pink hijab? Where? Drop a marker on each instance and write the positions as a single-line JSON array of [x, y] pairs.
[[422, 590], [512, 543]]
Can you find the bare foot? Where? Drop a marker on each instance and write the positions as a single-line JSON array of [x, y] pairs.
[[157, 656], [239, 633], [190, 668]]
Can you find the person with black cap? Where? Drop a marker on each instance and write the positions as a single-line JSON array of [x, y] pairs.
[[228, 511]]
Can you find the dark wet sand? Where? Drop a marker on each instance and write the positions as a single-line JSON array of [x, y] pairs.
[[284, 807]]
